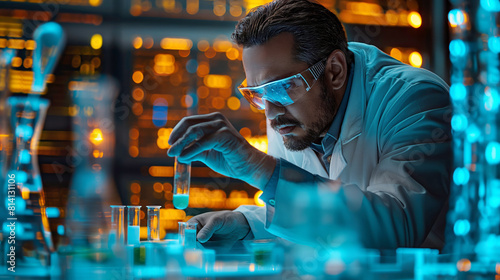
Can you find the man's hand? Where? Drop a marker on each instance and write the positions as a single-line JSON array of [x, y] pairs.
[[212, 140], [221, 225]]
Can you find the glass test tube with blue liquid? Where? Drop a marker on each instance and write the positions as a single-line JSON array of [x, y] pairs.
[[187, 234], [182, 181], [134, 226]]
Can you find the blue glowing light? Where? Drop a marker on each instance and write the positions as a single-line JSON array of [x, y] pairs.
[[461, 176], [459, 122], [494, 44], [24, 157], [491, 99], [160, 110], [461, 227], [19, 228], [491, 5], [456, 17], [60, 230], [493, 76], [52, 212], [494, 193], [21, 177], [458, 91], [493, 153], [24, 131], [192, 66], [458, 48], [473, 133]]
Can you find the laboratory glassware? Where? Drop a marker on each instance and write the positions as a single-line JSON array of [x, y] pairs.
[[25, 199], [92, 184], [182, 181], [117, 232], [134, 225], [187, 234], [153, 223]]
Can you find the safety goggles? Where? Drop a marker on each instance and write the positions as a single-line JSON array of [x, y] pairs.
[[285, 91]]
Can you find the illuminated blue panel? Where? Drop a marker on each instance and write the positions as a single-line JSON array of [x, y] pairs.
[[494, 44], [458, 48], [456, 17], [24, 157], [160, 110], [473, 133], [458, 92], [459, 122], [19, 228], [491, 5], [24, 131], [461, 176], [21, 177], [60, 229], [53, 212], [493, 153], [494, 193], [491, 99], [461, 227]]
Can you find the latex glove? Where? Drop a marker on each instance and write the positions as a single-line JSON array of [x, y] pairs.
[[221, 225], [212, 140]]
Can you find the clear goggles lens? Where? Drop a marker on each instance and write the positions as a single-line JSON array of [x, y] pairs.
[[282, 92], [285, 91]]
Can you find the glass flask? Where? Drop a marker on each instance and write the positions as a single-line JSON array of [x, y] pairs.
[[91, 186], [24, 201], [85, 252]]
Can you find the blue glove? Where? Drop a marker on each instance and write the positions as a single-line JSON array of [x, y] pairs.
[[212, 140]]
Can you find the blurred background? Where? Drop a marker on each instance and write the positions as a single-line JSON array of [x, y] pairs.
[[174, 58]]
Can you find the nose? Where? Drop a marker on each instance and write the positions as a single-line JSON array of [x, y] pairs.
[[273, 111]]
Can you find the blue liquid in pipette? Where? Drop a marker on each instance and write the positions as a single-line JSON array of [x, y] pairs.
[[181, 201]]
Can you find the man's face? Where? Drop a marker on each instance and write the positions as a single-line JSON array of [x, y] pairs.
[[302, 122]]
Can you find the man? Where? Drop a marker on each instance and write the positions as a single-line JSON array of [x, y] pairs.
[[357, 140]]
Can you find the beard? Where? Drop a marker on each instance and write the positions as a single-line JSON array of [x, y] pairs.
[[325, 115]]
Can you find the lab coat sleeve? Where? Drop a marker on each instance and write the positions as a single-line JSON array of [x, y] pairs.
[[407, 188], [256, 217]]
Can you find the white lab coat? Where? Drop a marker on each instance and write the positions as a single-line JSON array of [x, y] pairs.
[[393, 157]]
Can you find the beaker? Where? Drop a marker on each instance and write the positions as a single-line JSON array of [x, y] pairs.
[[23, 187], [187, 234], [134, 225], [182, 181], [117, 232], [153, 223]]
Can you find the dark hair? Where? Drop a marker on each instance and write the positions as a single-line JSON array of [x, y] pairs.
[[317, 31]]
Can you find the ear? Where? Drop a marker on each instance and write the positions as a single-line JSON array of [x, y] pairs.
[[336, 70]]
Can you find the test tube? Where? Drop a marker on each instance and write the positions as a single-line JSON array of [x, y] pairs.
[[134, 227], [182, 180], [153, 223], [117, 233], [187, 234]]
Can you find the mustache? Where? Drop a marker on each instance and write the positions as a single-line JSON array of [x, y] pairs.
[[283, 121]]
